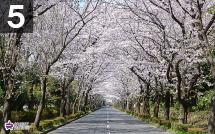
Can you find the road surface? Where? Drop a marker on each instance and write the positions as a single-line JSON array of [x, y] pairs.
[[108, 121]]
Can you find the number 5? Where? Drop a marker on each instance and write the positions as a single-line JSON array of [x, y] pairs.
[[16, 14]]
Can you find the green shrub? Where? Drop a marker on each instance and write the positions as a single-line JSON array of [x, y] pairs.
[[180, 127], [132, 113], [29, 116], [174, 115], [128, 112], [49, 113], [16, 132], [165, 123], [86, 108], [32, 128], [174, 119], [59, 120], [155, 120], [36, 132], [144, 117], [203, 102], [181, 132], [196, 130], [79, 114], [136, 114], [72, 116], [45, 124]]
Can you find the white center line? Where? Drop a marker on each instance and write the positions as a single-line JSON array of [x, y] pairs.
[[108, 126]]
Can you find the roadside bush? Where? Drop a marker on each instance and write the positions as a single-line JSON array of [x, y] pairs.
[[29, 116], [32, 128], [59, 120], [180, 127], [79, 114], [195, 130], [165, 123], [72, 116], [181, 132], [49, 113], [45, 124], [128, 112], [136, 114], [199, 119], [86, 108], [155, 120], [132, 113], [16, 132], [144, 117], [174, 115], [203, 102]]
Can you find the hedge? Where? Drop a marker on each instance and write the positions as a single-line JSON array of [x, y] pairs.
[[29, 116], [180, 127], [51, 123], [195, 130], [59, 120], [46, 124]]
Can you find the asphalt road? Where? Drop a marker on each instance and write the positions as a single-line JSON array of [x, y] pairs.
[[108, 121]]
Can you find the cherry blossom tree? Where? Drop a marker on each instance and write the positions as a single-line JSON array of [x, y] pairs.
[[11, 46], [54, 33]]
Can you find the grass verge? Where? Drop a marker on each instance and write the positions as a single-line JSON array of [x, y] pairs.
[[51, 124], [167, 125]]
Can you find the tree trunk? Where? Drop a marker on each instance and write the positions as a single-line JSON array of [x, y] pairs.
[[138, 107], [211, 120], [31, 102], [7, 104], [146, 106], [86, 103], [63, 100], [156, 108], [6, 114], [42, 102], [62, 108], [127, 104], [156, 99], [124, 104], [183, 113], [86, 99], [68, 102], [74, 106], [79, 105], [167, 105]]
